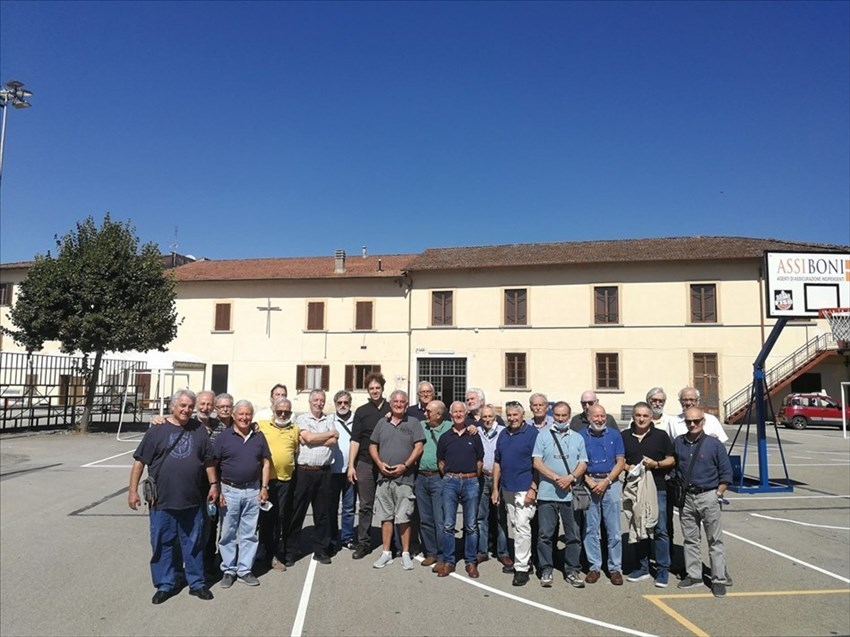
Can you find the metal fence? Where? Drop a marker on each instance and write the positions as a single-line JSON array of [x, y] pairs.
[[42, 390]]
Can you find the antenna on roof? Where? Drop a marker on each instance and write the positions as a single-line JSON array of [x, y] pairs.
[[363, 251], [173, 247]]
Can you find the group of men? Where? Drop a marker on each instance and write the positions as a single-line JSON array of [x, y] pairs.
[[411, 467]]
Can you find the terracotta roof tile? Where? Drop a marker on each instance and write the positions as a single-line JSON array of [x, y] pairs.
[[622, 250], [356, 266]]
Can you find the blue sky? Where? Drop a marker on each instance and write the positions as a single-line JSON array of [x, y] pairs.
[[293, 129]]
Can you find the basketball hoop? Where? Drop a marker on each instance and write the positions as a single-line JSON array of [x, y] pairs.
[[839, 323]]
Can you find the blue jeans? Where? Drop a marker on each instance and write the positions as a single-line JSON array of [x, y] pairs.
[[177, 532], [239, 540], [342, 526], [485, 509], [547, 535], [660, 542], [465, 492], [607, 509], [429, 500]]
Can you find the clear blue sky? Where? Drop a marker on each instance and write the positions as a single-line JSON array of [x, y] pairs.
[[288, 129]]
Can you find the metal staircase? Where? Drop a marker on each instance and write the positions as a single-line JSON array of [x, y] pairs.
[[782, 374]]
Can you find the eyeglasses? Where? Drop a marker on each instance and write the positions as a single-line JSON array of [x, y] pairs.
[[224, 406], [658, 400], [513, 403], [285, 412], [587, 403], [343, 402], [693, 422], [687, 399]]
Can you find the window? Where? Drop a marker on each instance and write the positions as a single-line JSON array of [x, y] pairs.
[[515, 370], [309, 377], [706, 380], [607, 371], [222, 317], [355, 375], [363, 315], [606, 305], [515, 307], [316, 315], [704, 303], [441, 308], [5, 294], [219, 379]]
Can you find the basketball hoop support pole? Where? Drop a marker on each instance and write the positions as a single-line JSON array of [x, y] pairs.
[[759, 397]]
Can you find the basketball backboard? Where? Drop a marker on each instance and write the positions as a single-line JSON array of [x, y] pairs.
[[801, 283]]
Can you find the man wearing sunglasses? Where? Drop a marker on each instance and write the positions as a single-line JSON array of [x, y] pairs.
[[689, 397], [710, 475], [282, 437], [341, 488], [582, 419]]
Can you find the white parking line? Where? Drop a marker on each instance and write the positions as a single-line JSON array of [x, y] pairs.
[[741, 498], [819, 526], [300, 616], [791, 558], [557, 611], [117, 455], [837, 463]]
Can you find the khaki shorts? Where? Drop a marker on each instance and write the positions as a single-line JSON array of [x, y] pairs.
[[393, 502]]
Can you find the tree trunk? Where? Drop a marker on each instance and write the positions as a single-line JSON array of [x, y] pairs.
[[91, 389]]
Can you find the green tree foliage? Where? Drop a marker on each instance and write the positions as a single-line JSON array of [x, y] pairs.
[[100, 293]]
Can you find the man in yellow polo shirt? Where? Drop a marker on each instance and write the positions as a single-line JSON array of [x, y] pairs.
[[282, 437]]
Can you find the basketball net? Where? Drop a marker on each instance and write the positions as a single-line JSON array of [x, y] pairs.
[[839, 323]]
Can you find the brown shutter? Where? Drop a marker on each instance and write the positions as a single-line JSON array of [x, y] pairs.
[[326, 377], [349, 378], [363, 319], [222, 317], [300, 377], [315, 315], [376, 369]]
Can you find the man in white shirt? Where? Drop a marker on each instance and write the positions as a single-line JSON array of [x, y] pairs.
[[689, 397]]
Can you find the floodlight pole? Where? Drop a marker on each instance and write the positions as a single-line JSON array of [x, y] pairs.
[[13, 92]]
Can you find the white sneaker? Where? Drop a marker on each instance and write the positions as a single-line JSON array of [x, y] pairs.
[[385, 559], [406, 562]]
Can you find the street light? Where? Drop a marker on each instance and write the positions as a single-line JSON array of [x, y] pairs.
[[12, 93]]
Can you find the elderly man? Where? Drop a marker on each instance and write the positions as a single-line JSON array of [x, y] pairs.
[[560, 460], [360, 468], [582, 420], [515, 484], [244, 463], [475, 400], [650, 446], [396, 446], [267, 413], [176, 454], [488, 511], [429, 486], [425, 393], [317, 437], [282, 437], [690, 397], [539, 405], [703, 458], [224, 409], [606, 459], [343, 492], [460, 456]]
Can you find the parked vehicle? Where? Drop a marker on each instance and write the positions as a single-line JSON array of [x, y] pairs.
[[798, 411]]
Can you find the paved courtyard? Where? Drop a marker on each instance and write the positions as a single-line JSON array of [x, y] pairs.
[[74, 561]]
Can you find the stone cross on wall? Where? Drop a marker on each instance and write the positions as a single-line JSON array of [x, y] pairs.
[[269, 308]]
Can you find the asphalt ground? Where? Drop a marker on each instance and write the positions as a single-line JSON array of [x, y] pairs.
[[74, 561]]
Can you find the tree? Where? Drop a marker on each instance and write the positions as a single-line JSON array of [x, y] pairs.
[[101, 293]]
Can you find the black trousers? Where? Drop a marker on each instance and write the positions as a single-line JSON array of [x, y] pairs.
[[274, 524], [312, 489]]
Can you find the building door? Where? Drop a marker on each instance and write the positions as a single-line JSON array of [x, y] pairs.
[[706, 381], [447, 375], [219, 379]]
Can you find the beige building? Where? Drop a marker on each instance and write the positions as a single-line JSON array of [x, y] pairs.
[[615, 316]]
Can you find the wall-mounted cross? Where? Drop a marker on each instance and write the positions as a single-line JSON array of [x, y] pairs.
[[269, 308]]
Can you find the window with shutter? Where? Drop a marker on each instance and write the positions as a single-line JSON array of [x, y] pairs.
[[606, 305], [607, 371], [363, 315], [516, 311], [355, 375], [316, 315], [704, 303], [515, 370], [441, 308], [222, 317]]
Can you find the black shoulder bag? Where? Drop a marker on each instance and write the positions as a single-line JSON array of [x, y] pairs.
[[149, 483], [581, 494], [676, 487]]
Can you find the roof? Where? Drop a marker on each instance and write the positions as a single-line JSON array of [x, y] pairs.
[[356, 266], [17, 265], [618, 251]]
